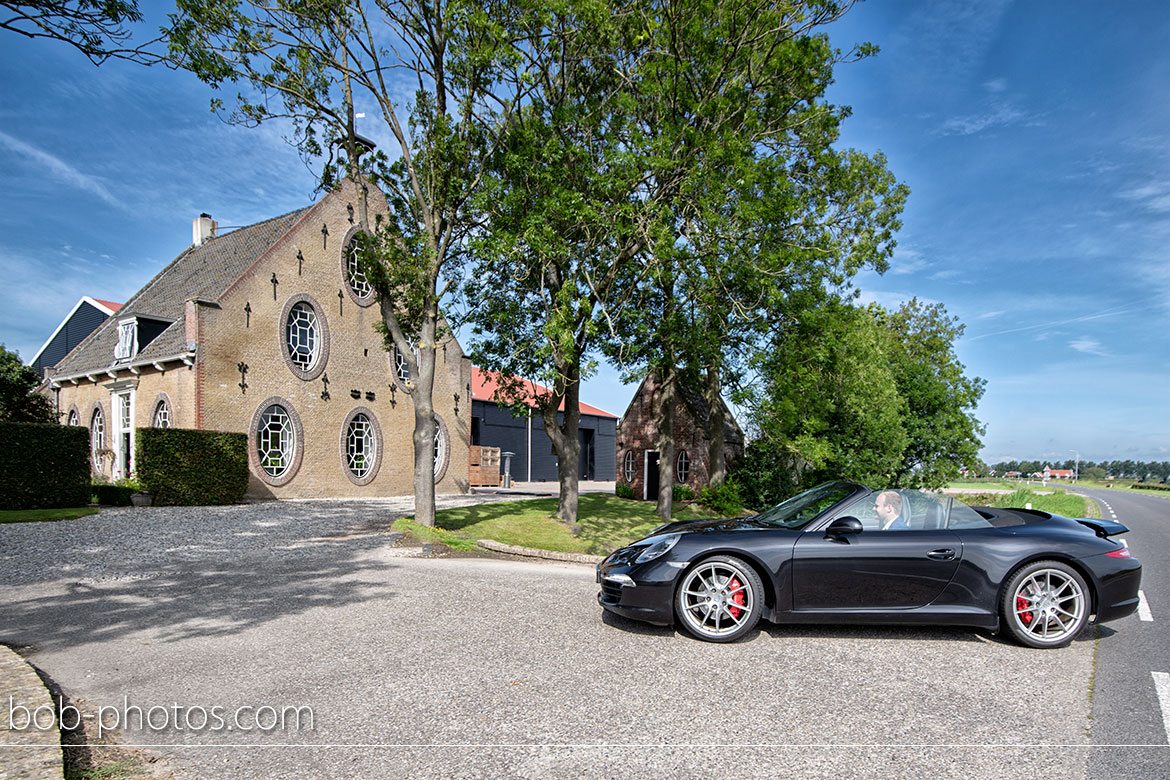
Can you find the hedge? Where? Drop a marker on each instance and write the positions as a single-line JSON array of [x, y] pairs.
[[111, 495], [182, 467], [43, 466], [1149, 486]]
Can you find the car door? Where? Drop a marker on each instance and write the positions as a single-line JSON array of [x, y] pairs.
[[877, 569]]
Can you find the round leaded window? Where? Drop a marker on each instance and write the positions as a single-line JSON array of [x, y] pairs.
[[276, 441], [354, 276], [402, 368], [442, 447], [359, 446], [682, 467], [629, 466], [304, 337]]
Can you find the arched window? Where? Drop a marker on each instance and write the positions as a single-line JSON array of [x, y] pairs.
[[97, 437], [629, 466], [74, 416], [161, 416], [682, 466]]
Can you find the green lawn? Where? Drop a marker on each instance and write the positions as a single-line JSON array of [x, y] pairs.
[[44, 515], [606, 523]]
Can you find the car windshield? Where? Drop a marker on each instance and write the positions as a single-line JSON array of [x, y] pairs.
[[799, 511]]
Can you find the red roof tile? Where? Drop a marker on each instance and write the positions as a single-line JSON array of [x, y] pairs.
[[485, 383], [109, 304]]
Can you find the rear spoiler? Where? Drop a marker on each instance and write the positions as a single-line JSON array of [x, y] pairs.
[[1103, 528]]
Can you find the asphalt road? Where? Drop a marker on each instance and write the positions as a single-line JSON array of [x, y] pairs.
[[490, 668], [1126, 708]]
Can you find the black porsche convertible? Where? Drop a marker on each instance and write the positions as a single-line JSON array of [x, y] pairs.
[[845, 553]]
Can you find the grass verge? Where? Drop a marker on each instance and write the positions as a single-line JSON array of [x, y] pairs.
[[605, 523], [45, 515], [1058, 502]]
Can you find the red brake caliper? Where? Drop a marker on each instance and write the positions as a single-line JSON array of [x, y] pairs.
[[737, 598], [1022, 603]]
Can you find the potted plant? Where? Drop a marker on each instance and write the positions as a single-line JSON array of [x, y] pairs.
[[141, 496]]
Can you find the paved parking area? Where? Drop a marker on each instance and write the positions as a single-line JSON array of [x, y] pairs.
[[493, 668]]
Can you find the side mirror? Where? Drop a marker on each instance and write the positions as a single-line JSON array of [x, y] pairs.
[[844, 525]]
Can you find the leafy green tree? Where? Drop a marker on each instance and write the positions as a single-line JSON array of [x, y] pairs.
[[826, 406], [19, 399], [940, 399], [310, 61], [560, 219], [96, 28], [1093, 472], [747, 200]]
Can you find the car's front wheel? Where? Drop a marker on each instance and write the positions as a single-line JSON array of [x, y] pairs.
[[1046, 604], [720, 599]]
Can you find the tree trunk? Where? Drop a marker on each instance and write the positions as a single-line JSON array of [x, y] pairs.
[[664, 421], [716, 426], [565, 441], [425, 425]]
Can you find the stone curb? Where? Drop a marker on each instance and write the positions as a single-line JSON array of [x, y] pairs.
[[529, 552], [30, 753]]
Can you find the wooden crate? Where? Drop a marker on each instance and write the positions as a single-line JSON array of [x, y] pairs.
[[484, 466]]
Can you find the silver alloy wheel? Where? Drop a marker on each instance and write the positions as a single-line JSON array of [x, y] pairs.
[[1049, 606], [708, 599]]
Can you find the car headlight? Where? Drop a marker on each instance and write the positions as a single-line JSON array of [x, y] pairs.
[[658, 549]]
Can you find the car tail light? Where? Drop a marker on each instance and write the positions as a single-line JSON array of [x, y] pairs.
[[1122, 553]]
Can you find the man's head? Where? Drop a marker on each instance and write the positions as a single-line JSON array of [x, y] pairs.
[[888, 505]]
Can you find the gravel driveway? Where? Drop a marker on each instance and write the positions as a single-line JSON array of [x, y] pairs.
[[495, 668]]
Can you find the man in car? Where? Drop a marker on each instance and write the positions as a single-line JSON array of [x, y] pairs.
[[889, 511]]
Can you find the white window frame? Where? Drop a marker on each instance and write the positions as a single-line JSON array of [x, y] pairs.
[[127, 346], [120, 424]]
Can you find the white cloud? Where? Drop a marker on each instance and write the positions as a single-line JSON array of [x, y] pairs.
[[996, 85], [997, 114], [1154, 196], [61, 170], [988, 315], [1089, 346], [908, 261]]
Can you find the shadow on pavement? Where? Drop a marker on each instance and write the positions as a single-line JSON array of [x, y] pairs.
[[198, 598]]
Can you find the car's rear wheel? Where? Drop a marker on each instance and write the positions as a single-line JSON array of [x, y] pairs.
[[720, 599], [1046, 604]]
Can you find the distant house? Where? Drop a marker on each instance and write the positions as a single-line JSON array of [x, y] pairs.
[[82, 320], [1051, 473], [493, 425], [1012, 475], [637, 439]]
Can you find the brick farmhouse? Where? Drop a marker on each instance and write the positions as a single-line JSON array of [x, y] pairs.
[[268, 330], [637, 439]]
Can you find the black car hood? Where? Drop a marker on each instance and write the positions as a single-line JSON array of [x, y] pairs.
[[722, 525]]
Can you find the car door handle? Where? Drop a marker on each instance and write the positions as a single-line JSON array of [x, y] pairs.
[[945, 554]]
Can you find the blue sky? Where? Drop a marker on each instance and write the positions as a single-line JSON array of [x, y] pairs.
[[1035, 138]]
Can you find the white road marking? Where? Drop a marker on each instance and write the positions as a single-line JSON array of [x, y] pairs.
[[1162, 688], [1144, 608]]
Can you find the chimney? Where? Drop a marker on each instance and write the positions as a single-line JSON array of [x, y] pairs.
[[203, 229]]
